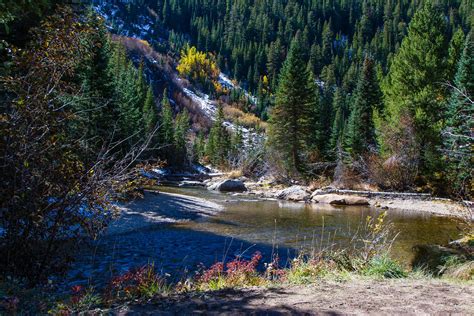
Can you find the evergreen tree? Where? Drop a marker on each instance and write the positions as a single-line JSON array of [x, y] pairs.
[[328, 82], [337, 132], [219, 143], [96, 109], [290, 118], [414, 82], [455, 50], [166, 130], [180, 137], [199, 147], [237, 142], [360, 134], [150, 116], [459, 138]]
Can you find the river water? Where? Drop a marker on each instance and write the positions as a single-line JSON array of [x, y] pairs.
[[177, 241]]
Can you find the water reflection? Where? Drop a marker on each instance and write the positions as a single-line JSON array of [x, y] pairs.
[[242, 226], [306, 226]]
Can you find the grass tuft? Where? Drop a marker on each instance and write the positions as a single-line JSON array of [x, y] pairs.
[[384, 267]]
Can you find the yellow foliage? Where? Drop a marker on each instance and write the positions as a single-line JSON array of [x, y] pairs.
[[243, 119], [197, 65], [144, 42]]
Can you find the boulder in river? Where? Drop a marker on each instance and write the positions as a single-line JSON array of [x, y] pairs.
[[293, 193], [337, 199], [228, 186]]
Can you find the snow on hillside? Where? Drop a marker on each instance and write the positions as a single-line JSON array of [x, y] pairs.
[[226, 82], [205, 104], [142, 27], [250, 136]]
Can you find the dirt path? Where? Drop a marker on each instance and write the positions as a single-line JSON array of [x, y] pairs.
[[360, 297]]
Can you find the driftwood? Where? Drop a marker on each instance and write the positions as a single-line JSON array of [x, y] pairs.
[[374, 193]]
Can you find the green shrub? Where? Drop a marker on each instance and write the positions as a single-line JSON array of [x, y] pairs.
[[384, 267]]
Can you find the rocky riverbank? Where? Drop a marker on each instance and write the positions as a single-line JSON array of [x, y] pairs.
[[268, 189]]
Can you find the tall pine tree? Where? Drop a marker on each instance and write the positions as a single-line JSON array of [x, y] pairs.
[[459, 137], [414, 85], [290, 119], [360, 134], [166, 130]]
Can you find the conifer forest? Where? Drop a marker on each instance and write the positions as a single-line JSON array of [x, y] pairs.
[[347, 103]]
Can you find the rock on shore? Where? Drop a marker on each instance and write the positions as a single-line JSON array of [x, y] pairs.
[[228, 186], [294, 193], [337, 199]]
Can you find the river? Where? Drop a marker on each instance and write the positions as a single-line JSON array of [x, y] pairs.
[[180, 229]]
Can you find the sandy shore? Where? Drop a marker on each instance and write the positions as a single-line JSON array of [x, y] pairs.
[[161, 208], [434, 206]]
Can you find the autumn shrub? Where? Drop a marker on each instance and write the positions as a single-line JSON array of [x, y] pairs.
[[136, 283], [244, 119], [235, 174], [56, 189], [48, 195], [236, 273], [397, 166]]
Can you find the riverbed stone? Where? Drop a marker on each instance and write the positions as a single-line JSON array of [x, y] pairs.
[[228, 186], [337, 199], [294, 193]]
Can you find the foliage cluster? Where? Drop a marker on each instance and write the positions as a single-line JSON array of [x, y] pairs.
[[77, 117], [199, 67]]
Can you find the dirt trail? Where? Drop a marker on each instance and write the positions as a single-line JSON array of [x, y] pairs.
[[355, 297]]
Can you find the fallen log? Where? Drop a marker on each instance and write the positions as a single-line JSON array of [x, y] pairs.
[[374, 193]]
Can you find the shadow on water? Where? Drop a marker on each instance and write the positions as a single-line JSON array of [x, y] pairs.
[[173, 250], [178, 233]]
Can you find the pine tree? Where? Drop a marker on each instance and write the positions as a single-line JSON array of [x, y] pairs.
[[337, 132], [455, 50], [219, 143], [368, 97], [237, 142], [129, 106], [140, 84], [166, 130], [414, 83], [328, 81], [459, 139], [149, 112], [199, 147], [96, 109], [181, 129], [290, 118]]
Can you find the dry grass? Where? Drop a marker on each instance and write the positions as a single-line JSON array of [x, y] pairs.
[[248, 120], [235, 174]]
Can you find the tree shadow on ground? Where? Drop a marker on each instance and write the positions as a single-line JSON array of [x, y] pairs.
[[225, 302]]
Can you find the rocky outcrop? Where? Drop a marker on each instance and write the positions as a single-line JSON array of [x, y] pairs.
[[295, 193], [336, 199], [228, 186]]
